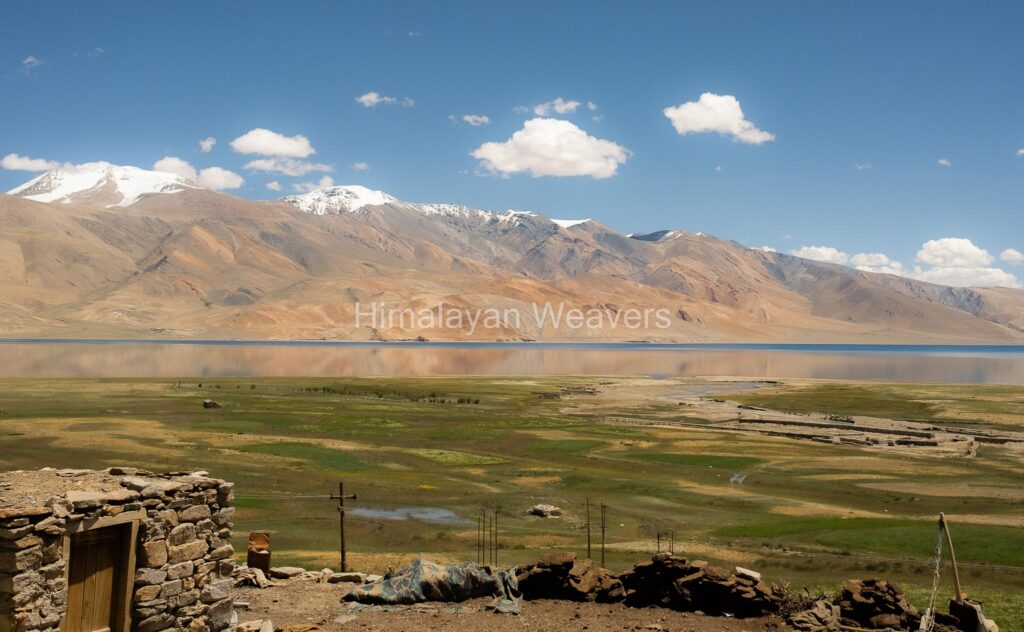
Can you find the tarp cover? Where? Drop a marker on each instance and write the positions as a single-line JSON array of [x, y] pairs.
[[424, 580]]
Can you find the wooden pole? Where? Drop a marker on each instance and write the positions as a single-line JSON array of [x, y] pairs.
[[603, 524], [958, 595], [341, 498], [495, 537], [589, 555]]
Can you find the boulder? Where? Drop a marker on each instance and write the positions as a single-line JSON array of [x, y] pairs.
[[545, 511], [286, 572], [562, 576]]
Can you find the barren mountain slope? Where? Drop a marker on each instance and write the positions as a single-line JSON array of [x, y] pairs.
[[195, 263]]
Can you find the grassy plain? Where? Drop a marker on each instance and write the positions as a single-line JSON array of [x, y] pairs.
[[808, 513]]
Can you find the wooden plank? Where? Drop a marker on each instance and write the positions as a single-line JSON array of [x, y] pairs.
[[104, 579]]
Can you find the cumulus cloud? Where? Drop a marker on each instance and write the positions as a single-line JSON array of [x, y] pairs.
[[863, 166], [968, 277], [876, 262], [719, 113], [552, 147], [1012, 256], [269, 143], [1020, 152], [957, 261], [306, 187], [360, 166], [14, 162], [591, 106], [177, 166], [216, 178], [953, 252], [766, 249], [373, 99], [274, 185], [219, 179], [558, 106], [476, 120], [945, 162], [206, 144], [826, 254], [287, 166]]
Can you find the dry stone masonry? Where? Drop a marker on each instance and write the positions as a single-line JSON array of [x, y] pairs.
[[166, 537]]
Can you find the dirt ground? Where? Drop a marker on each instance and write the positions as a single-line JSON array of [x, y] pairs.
[[299, 601]]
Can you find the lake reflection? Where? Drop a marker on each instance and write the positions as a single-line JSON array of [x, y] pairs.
[[985, 365]]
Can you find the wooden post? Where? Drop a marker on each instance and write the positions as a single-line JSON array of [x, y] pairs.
[[958, 595], [341, 498], [603, 525], [589, 555], [495, 537], [658, 537]]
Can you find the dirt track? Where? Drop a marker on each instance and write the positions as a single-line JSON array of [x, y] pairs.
[[298, 601]]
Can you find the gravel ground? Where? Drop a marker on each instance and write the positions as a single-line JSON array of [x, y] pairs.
[[300, 601]]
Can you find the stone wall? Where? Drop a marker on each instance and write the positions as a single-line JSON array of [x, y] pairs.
[[183, 555]]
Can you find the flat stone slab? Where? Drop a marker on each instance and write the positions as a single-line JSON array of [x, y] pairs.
[[286, 572]]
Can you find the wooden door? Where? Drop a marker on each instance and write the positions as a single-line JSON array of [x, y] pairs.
[[96, 579]]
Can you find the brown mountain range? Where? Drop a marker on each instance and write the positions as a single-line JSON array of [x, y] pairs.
[[197, 264]]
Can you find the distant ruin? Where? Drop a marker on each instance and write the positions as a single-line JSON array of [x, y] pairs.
[[119, 549]]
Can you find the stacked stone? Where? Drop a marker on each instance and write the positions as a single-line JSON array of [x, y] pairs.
[[32, 589], [184, 554], [876, 604], [562, 576], [673, 582]]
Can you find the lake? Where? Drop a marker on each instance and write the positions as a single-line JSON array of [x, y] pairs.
[[167, 359]]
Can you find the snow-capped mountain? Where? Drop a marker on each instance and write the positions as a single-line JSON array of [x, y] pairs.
[[102, 182], [342, 199]]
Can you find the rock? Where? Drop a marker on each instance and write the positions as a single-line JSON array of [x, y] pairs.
[[286, 572], [560, 575], [876, 604], [749, 574], [347, 578], [545, 511], [84, 500], [191, 551], [209, 403]]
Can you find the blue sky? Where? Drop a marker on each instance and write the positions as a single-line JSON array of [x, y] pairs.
[[863, 100]]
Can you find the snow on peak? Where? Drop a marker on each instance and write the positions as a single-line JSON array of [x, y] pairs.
[[569, 223], [114, 184], [339, 199]]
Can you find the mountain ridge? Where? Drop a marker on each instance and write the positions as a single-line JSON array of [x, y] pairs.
[[188, 262]]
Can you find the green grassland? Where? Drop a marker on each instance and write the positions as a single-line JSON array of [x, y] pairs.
[[807, 513]]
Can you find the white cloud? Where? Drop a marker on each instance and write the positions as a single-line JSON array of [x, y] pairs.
[[14, 162], [953, 252], [964, 277], [269, 143], [1020, 152], [177, 166], [876, 262], [219, 179], [215, 178], [306, 187], [476, 120], [591, 106], [1012, 256], [373, 99], [826, 254], [945, 162], [719, 113], [30, 63], [552, 147], [957, 261], [360, 166], [521, 109], [559, 106], [207, 144], [274, 185], [863, 166], [287, 166], [766, 249]]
